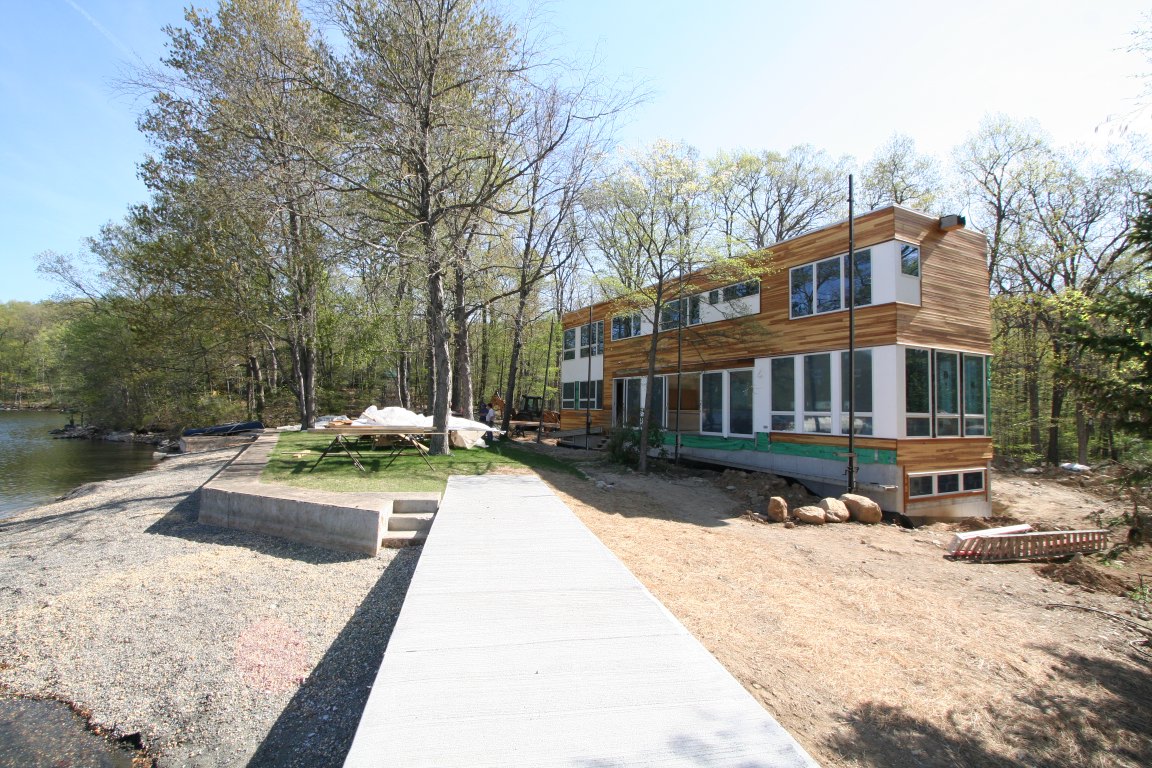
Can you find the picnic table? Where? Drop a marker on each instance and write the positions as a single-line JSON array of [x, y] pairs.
[[396, 440]]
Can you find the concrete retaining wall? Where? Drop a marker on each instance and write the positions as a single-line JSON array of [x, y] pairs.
[[351, 522]]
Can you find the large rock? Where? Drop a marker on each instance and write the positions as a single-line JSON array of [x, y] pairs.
[[862, 508], [834, 510], [777, 509], [811, 515]]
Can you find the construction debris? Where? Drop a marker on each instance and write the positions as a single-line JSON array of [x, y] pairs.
[[1020, 542]]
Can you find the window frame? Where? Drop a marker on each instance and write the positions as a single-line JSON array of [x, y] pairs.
[[630, 321], [780, 413], [961, 474], [592, 339], [816, 414], [810, 281], [865, 417], [905, 249], [668, 322], [570, 343]]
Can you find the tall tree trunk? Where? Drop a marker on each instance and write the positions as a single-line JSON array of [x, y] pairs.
[[1082, 433], [403, 388], [1058, 392], [462, 378], [514, 358], [441, 354], [484, 394]]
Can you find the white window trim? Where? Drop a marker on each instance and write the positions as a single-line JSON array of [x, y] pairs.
[[958, 472], [726, 402], [845, 289]]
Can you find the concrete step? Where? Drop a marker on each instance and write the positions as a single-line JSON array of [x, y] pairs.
[[397, 539], [428, 502], [410, 521]]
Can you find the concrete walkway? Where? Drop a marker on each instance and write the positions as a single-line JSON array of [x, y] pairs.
[[523, 641]]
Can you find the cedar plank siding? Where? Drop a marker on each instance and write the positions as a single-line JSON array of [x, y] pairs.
[[955, 310]]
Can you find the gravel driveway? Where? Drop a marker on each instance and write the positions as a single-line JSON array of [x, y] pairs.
[[217, 647]]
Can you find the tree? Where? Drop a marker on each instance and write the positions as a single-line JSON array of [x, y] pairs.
[[435, 96], [239, 134], [898, 175], [650, 221], [764, 198]]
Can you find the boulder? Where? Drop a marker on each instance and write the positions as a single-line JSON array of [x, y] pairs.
[[810, 515], [834, 510], [862, 508], [777, 509]]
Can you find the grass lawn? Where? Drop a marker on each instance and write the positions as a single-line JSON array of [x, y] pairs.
[[296, 452]]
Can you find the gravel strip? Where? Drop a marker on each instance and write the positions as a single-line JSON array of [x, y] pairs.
[[218, 647]]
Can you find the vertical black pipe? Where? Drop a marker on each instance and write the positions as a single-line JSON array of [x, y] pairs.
[[851, 344], [588, 392], [544, 386]]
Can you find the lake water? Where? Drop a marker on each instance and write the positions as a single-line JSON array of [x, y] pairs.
[[36, 468]]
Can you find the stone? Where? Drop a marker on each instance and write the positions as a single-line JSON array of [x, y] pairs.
[[777, 510], [862, 509], [810, 515], [789, 524], [834, 510]]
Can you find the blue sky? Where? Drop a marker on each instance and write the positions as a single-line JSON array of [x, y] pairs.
[[724, 74]]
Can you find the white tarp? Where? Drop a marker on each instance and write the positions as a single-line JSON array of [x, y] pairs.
[[464, 433]]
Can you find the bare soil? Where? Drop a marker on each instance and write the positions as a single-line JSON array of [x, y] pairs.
[[870, 646]]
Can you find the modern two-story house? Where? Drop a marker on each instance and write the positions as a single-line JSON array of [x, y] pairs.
[[753, 373]]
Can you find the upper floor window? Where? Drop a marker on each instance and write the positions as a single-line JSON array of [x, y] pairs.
[[625, 326], [570, 344], [592, 339], [734, 291], [910, 260], [822, 286], [683, 311]]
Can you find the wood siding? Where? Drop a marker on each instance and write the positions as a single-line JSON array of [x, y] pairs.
[[955, 310], [926, 455]]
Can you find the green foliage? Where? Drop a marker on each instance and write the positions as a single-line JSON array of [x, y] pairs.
[[1142, 594], [624, 444], [1118, 328]]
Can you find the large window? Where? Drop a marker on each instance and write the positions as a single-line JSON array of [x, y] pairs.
[[674, 313], [947, 387], [570, 344], [726, 402], [740, 402], [783, 394], [579, 395], [975, 396], [625, 326], [818, 393], [592, 339], [862, 392], [945, 394], [712, 402], [823, 286], [918, 392]]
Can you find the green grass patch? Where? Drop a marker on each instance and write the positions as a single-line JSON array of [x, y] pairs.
[[296, 453]]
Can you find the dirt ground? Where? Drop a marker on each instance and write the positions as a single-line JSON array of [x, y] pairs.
[[873, 649]]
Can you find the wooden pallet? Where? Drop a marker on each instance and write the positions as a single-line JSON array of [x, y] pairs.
[[1041, 545]]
